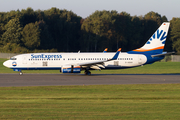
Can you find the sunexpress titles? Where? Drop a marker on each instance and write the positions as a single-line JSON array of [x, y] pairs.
[[43, 56]]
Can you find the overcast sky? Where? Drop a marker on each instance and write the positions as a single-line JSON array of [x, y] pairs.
[[84, 8]]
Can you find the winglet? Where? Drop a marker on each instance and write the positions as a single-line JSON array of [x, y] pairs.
[[117, 54], [105, 50]]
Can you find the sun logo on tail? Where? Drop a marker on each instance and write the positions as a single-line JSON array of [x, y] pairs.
[[158, 36]]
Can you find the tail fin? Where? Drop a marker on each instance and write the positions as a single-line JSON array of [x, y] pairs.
[[155, 44]]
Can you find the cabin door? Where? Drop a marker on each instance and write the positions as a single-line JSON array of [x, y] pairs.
[[24, 60], [139, 60]]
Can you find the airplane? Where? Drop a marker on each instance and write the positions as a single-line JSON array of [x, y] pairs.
[[151, 52]]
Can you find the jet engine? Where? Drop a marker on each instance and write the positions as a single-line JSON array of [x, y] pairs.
[[70, 69]]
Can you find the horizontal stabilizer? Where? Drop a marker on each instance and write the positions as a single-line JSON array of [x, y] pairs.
[[165, 53]]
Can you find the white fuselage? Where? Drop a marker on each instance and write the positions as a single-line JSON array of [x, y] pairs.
[[57, 60]]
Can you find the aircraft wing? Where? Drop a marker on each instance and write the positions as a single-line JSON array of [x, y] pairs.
[[98, 64], [164, 53], [94, 65]]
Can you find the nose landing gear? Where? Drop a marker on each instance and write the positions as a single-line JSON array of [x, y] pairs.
[[20, 72]]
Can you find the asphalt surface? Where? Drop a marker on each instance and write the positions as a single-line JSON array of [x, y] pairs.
[[7, 80]]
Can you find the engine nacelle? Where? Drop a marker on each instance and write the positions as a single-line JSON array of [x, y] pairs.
[[70, 69]]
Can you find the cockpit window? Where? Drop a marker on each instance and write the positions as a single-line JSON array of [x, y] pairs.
[[13, 58]]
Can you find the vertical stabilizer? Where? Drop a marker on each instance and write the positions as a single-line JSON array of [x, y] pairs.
[[155, 44]]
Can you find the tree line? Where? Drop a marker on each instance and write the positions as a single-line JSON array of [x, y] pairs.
[[56, 30]]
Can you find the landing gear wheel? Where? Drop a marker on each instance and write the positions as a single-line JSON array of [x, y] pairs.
[[20, 73], [87, 72]]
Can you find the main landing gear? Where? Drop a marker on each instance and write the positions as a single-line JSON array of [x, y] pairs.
[[87, 72]]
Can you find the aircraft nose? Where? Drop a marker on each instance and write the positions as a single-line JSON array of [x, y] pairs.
[[6, 63]]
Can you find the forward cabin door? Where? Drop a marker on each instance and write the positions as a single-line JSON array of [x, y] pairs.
[[24, 60]]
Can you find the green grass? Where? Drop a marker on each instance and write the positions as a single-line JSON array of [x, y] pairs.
[[97, 102], [155, 68]]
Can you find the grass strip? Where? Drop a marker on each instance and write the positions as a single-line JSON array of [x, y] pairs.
[[101, 102]]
